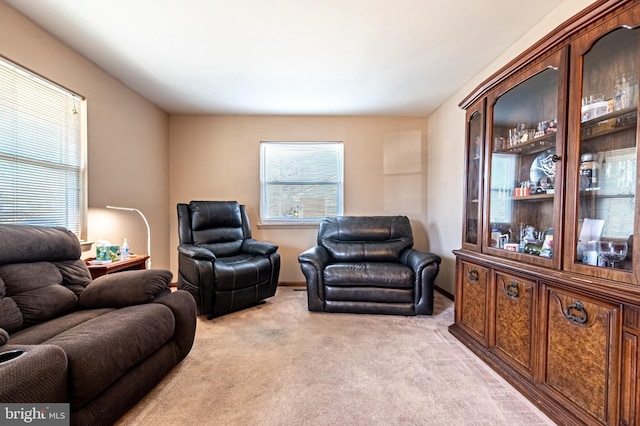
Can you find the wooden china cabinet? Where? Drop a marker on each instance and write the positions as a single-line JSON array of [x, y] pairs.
[[548, 275]]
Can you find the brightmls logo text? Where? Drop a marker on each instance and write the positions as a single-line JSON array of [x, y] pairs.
[[35, 414]]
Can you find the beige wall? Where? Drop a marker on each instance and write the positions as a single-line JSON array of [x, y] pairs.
[[446, 148], [218, 158], [127, 138]]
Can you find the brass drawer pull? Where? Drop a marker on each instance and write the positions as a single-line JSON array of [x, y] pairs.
[[576, 313], [473, 275], [512, 289]]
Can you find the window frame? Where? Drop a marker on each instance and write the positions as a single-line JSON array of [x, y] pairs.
[[294, 220], [64, 129]]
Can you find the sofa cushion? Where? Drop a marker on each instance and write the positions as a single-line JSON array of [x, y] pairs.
[[37, 290], [10, 315], [4, 336], [102, 349], [126, 288], [371, 274], [75, 275], [40, 333], [27, 243]]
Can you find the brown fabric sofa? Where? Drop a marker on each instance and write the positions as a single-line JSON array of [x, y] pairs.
[[98, 345]]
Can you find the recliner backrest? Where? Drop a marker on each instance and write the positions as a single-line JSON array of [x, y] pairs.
[[41, 274], [219, 226], [365, 238]]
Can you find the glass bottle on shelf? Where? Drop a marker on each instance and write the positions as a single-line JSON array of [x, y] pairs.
[[606, 186], [475, 144], [524, 167]]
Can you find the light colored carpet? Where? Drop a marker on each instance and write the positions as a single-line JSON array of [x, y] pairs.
[[278, 364]]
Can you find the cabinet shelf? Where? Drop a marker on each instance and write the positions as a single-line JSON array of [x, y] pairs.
[[534, 197], [613, 122], [532, 146], [598, 193]]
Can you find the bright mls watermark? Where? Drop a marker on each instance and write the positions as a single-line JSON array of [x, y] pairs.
[[35, 414]]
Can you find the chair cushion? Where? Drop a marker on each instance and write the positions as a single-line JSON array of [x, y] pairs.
[[241, 271], [372, 274], [361, 294], [365, 238], [217, 226], [215, 214]]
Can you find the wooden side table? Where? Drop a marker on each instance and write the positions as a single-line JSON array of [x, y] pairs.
[[130, 264]]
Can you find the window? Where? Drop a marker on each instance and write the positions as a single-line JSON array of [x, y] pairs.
[[300, 182], [42, 152]]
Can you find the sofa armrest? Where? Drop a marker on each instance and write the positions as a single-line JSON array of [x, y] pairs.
[[37, 375], [425, 266], [196, 252], [256, 247], [126, 288], [312, 263], [317, 256], [418, 260], [183, 306]]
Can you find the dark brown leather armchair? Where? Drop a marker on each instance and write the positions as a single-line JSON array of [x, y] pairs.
[[218, 262], [367, 265]]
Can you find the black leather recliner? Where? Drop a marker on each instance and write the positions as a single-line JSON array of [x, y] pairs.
[[366, 264], [218, 262]]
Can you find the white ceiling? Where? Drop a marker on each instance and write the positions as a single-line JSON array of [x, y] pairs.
[[320, 57]]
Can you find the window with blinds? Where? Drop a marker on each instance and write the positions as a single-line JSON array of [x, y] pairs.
[[42, 152], [300, 182]]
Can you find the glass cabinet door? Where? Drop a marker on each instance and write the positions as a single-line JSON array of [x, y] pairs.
[[473, 185], [525, 179], [605, 156]]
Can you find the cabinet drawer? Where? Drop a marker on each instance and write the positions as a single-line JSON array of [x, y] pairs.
[[582, 346], [514, 320], [471, 309]]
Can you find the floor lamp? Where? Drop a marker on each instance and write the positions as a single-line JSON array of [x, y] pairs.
[[131, 209]]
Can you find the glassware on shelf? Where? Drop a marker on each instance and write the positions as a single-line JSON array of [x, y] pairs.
[[612, 252], [589, 169], [626, 91], [594, 106], [590, 253]]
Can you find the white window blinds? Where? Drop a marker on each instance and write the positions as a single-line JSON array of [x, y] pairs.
[[42, 153], [300, 182]]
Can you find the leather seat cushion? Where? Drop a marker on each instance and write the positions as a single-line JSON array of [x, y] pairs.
[[371, 274], [104, 348], [242, 271], [359, 294]]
